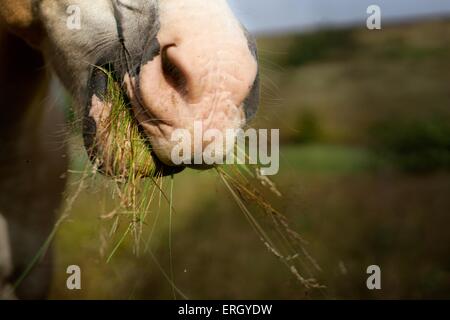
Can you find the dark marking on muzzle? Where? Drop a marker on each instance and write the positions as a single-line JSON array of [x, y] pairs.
[[135, 50], [97, 86], [251, 103], [152, 50]]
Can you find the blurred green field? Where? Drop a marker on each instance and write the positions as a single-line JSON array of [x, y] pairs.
[[352, 192]]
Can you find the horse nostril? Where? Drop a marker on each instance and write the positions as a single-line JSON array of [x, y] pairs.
[[172, 73]]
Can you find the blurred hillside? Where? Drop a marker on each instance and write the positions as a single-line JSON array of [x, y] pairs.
[[364, 119], [350, 80]]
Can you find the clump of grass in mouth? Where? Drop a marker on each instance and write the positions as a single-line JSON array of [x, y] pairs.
[[128, 153], [129, 161]]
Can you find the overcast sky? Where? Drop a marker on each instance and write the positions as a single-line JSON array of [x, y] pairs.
[[278, 15]]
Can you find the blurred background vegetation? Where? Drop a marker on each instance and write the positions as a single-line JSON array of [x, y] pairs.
[[365, 159]]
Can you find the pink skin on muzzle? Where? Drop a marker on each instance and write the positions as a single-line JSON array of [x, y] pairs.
[[204, 73]]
